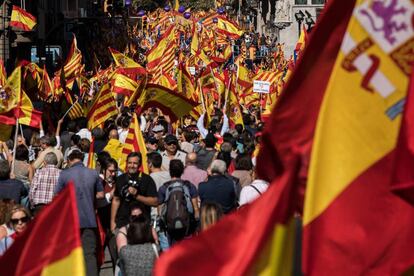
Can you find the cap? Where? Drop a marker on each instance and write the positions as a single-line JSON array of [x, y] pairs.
[[157, 128], [170, 139], [152, 140]]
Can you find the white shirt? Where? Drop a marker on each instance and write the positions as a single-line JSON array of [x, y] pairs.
[[85, 133], [248, 193]]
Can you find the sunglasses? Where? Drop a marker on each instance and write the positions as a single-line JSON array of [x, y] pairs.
[[172, 143], [22, 220]]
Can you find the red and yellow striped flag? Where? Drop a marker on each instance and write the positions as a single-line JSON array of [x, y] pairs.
[[103, 107], [46, 250], [21, 19], [134, 142], [73, 66], [122, 60], [352, 81], [157, 52], [3, 74], [171, 103]]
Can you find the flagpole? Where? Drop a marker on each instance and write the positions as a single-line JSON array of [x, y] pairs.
[[70, 108], [201, 95], [15, 146]]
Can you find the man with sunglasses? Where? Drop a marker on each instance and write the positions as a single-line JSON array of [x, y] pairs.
[[171, 152]]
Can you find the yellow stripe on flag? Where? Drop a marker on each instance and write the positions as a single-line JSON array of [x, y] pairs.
[[353, 122], [73, 264]]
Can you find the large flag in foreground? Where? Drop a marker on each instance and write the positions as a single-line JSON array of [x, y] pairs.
[[260, 239], [51, 244], [353, 224]]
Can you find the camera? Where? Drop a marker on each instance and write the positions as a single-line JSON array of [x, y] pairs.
[[124, 191]]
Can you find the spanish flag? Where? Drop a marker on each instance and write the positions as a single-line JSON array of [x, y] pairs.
[[134, 142], [51, 245], [102, 108], [122, 60], [171, 103], [228, 27], [21, 19], [352, 81], [3, 74]]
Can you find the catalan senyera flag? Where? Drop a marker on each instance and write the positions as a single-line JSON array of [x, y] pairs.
[[41, 250], [102, 108], [21, 19], [73, 66], [134, 142], [353, 224], [171, 103], [157, 52]]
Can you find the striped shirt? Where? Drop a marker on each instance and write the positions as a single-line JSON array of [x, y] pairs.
[[43, 185]]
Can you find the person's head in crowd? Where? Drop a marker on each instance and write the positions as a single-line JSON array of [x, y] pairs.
[[4, 170], [171, 144], [18, 218], [187, 120], [210, 140], [109, 169], [158, 131], [35, 140], [113, 134], [22, 153], [260, 126], [154, 160], [218, 167], [229, 138], [74, 157], [20, 140], [71, 127], [224, 156], [75, 140], [45, 142], [136, 209], [82, 123], [101, 158], [124, 122], [215, 125], [188, 136], [139, 231], [6, 205], [84, 145], [226, 147], [243, 162], [191, 159], [134, 161], [180, 135], [108, 126], [151, 144], [210, 213], [10, 144], [98, 133], [233, 133], [50, 159], [176, 168], [249, 148], [53, 141]]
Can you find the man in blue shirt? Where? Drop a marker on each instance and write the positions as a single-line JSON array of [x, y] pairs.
[[88, 188]]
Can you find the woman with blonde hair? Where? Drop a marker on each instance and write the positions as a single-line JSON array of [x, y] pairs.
[[17, 219], [210, 213]]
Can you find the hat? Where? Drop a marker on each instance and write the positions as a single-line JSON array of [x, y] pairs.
[[170, 139], [152, 140], [157, 128]]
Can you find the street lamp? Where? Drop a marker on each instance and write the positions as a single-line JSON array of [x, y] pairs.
[[299, 16]]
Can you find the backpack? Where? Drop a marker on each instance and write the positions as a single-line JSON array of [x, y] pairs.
[[178, 210]]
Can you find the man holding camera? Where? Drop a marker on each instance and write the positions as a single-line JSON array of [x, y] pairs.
[[132, 186]]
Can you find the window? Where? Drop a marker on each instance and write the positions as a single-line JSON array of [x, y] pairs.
[[301, 2], [318, 2]]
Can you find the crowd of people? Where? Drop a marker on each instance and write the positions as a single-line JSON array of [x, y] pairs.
[[196, 174]]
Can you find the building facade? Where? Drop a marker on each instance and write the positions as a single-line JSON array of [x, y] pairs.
[[284, 19]]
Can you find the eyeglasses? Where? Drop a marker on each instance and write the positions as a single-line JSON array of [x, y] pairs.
[[172, 143], [22, 220]]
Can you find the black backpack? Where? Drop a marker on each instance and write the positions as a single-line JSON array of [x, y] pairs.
[[178, 210]]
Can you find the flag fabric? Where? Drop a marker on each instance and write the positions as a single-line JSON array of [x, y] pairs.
[[155, 55], [41, 249], [228, 28], [73, 65], [353, 224], [76, 109], [124, 85], [21, 19], [92, 161], [11, 92], [134, 143], [256, 240], [102, 108], [123, 61], [184, 82], [3, 75], [171, 103]]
